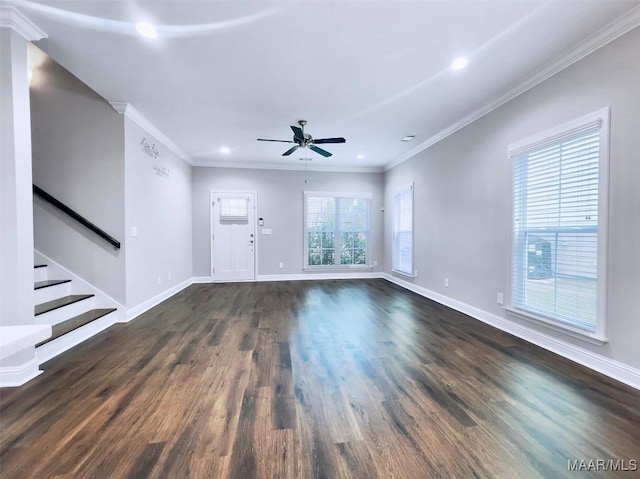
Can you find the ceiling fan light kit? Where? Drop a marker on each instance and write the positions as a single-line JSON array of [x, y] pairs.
[[305, 140]]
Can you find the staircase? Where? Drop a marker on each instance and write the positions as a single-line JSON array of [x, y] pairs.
[[72, 314]]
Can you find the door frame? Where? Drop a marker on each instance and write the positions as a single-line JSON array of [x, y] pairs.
[[212, 196]]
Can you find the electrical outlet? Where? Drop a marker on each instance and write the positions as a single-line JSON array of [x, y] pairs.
[[159, 279], [500, 298], [281, 265], [375, 262], [446, 282], [415, 273]]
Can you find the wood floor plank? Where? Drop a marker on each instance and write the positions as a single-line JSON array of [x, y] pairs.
[[146, 461], [283, 411], [312, 379]]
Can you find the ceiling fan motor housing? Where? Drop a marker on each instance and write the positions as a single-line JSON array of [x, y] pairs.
[[304, 140]]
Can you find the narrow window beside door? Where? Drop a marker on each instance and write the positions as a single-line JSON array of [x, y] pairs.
[[403, 231]]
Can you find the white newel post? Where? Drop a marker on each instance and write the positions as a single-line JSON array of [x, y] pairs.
[[16, 197]]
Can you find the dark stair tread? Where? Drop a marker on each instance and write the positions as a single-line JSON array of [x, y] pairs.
[[76, 322], [60, 302], [49, 282], [40, 266]]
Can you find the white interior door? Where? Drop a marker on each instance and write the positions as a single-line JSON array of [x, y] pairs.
[[233, 238]]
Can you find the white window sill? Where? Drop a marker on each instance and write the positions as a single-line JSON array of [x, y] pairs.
[[402, 273], [588, 336]]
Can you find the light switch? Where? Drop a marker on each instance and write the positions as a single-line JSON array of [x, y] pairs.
[[134, 231]]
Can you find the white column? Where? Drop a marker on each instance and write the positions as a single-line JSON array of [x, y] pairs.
[[16, 198]]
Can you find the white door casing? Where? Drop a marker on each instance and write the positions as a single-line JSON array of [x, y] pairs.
[[233, 238]]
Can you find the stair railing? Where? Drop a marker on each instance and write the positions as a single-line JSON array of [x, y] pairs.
[[80, 219]]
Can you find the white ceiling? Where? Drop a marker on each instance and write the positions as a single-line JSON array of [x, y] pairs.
[[223, 73]]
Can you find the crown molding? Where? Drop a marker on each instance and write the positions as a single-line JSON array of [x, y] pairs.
[[293, 167], [599, 39], [138, 118], [134, 115], [11, 17]]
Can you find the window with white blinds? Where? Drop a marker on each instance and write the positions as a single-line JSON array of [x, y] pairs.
[[403, 231], [336, 229], [558, 224], [234, 210]]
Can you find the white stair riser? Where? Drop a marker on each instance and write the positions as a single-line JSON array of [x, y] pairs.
[[78, 285], [40, 274], [73, 338], [67, 312], [50, 293]]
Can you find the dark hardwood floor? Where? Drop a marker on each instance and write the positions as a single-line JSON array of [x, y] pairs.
[[354, 379]]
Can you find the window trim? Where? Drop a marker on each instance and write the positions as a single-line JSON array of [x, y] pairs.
[[399, 191], [600, 119], [305, 240]]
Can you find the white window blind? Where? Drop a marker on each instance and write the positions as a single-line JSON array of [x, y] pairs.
[[336, 230], [234, 210], [555, 228], [403, 231]]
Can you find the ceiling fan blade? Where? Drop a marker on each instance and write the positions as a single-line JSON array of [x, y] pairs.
[[320, 141], [290, 150], [279, 141], [297, 133], [320, 151]]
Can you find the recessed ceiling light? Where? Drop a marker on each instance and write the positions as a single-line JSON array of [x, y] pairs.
[[146, 29], [408, 137], [459, 63], [225, 150], [360, 157]]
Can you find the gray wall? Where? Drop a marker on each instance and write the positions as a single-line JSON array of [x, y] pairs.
[[463, 192], [78, 157], [280, 203], [159, 208]]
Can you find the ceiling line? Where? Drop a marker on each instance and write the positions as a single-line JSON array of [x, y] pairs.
[[618, 27], [293, 167], [13, 18], [139, 119]]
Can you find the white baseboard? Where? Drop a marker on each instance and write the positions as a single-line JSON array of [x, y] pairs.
[[294, 277], [202, 280], [607, 366], [136, 311], [318, 276], [220, 281], [13, 376]]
